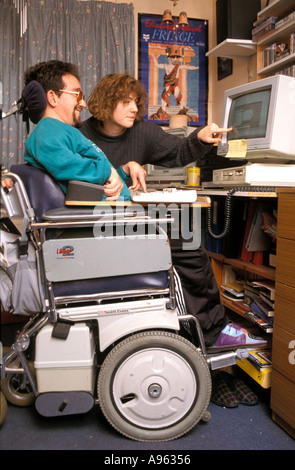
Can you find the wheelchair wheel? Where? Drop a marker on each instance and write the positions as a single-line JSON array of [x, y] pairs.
[[17, 389], [3, 408], [154, 386]]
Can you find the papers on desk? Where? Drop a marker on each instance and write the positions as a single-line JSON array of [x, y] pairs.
[[167, 195]]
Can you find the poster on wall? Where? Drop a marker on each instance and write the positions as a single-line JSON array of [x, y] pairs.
[[173, 68]]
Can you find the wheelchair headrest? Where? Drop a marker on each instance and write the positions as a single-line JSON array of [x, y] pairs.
[[34, 100], [43, 191]]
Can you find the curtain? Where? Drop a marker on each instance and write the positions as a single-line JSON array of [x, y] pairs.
[[97, 36]]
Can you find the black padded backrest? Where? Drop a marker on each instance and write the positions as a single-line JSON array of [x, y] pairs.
[[43, 191]]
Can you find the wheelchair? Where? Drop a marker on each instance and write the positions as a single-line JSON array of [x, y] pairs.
[[107, 331]]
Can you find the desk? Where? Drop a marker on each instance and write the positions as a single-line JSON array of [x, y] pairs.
[[223, 192], [187, 226], [202, 202], [283, 338]]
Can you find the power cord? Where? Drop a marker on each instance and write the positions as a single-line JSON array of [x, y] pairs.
[[228, 208]]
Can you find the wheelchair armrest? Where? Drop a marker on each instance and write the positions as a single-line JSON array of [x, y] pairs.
[[68, 214], [79, 191], [106, 214]]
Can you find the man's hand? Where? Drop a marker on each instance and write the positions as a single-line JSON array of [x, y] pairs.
[[137, 174], [113, 187], [211, 134], [7, 183]]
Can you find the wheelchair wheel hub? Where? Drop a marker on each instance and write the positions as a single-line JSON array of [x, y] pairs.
[[154, 390], [162, 386]]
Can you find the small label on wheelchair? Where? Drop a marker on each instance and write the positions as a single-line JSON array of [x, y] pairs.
[[114, 311], [65, 252]]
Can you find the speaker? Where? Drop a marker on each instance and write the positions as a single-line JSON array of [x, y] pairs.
[[235, 18]]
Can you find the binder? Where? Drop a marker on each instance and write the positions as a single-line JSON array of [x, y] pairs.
[[245, 255], [257, 239]]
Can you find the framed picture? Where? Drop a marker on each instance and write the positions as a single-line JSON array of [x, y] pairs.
[[224, 67], [173, 68]]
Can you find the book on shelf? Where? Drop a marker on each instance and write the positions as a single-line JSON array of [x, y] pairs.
[[266, 287], [275, 52], [260, 358], [259, 26], [270, 224], [289, 71], [250, 296], [261, 287], [263, 32], [268, 55], [232, 297], [267, 301], [239, 303], [236, 288], [285, 19], [256, 240], [262, 323], [264, 308], [261, 20], [259, 313], [251, 209], [251, 292]]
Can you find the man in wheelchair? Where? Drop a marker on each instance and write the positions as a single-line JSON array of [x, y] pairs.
[[108, 331]]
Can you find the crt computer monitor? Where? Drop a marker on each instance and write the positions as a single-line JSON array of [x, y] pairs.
[[263, 114]]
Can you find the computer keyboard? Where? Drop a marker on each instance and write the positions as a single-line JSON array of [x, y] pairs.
[[165, 195]]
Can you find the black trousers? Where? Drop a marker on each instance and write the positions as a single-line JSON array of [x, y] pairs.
[[200, 289]]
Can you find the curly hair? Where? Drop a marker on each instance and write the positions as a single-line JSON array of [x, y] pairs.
[[110, 90], [49, 74]]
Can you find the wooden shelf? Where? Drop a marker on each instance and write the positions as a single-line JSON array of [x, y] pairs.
[[252, 194], [276, 8], [244, 49], [237, 307], [278, 65], [278, 34], [263, 271]]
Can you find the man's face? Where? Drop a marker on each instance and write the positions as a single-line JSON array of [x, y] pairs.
[[69, 109], [125, 112]]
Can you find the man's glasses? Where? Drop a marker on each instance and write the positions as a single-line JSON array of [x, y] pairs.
[[79, 94]]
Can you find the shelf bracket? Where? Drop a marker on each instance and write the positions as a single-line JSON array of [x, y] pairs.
[[246, 59]]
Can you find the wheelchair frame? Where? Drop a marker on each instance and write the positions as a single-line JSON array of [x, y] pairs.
[[135, 332]]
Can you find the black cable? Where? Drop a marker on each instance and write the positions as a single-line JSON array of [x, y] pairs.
[[228, 209]]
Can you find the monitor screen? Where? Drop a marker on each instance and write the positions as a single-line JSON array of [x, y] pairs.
[[262, 116], [248, 115]]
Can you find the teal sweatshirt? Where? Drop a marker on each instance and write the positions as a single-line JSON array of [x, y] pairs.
[[64, 152]]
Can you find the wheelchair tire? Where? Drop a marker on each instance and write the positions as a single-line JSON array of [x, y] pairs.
[[16, 391], [154, 386], [3, 408]]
